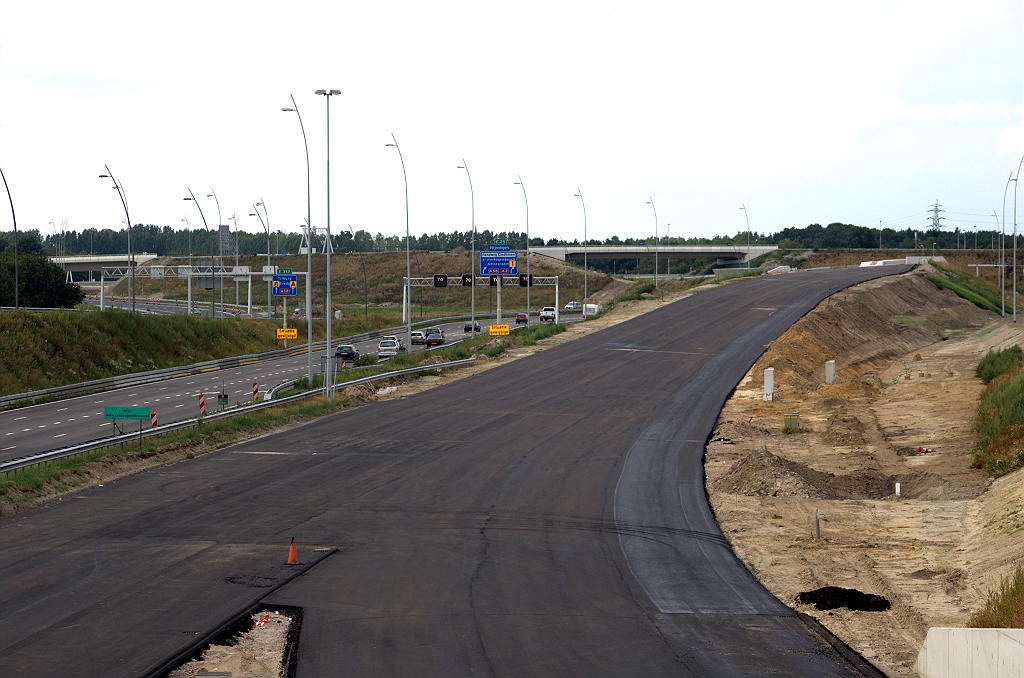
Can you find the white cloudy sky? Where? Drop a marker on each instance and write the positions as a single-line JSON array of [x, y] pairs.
[[805, 112]]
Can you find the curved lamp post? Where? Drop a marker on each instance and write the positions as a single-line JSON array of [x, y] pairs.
[[1015, 182], [213, 280], [472, 250], [131, 256], [309, 244], [408, 260], [220, 244], [579, 194], [327, 94], [15, 220], [1002, 246], [747, 217], [529, 283], [188, 230], [650, 201], [256, 213]]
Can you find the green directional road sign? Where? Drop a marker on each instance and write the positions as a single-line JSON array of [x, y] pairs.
[[130, 413], [284, 271]]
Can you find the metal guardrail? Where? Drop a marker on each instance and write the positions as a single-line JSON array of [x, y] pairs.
[[139, 378], [84, 448]]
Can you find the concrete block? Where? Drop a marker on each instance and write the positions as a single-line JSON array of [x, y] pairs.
[[769, 384], [972, 653], [830, 372]]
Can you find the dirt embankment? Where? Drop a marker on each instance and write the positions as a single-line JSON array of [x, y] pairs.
[[905, 354]]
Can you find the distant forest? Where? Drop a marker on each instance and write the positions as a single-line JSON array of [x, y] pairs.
[[165, 241]]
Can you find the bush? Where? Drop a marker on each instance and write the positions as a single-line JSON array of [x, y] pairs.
[[494, 350], [635, 294], [995, 364], [366, 360], [1004, 608]]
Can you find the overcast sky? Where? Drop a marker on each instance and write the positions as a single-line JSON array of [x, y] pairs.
[[804, 112]]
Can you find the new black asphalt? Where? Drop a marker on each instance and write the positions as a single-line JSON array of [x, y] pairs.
[[546, 517]]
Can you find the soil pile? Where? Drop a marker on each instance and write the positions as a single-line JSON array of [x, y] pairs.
[[832, 597]]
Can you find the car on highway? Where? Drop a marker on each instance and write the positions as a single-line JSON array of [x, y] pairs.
[[389, 348], [434, 336], [574, 306], [416, 337], [522, 319], [347, 352], [469, 327], [390, 337], [547, 314]]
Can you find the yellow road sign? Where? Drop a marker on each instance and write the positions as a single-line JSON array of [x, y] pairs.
[[499, 330], [287, 333]]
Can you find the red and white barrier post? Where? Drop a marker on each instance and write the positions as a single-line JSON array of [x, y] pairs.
[[202, 404], [152, 418], [255, 389]]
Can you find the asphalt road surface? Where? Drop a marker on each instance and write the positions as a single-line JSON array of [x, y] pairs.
[[49, 426], [546, 517]]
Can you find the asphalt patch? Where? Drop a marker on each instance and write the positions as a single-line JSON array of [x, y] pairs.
[[831, 597]]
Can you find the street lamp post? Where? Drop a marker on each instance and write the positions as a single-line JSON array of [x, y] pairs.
[[1015, 182], [131, 257], [15, 220], [650, 202], [408, 260], [309, 245], [472, 250], [256, 213], [747, 217], [579, 194], [529, 281], [188, 231], [235, 221], [1002, 245], [270, 307], [213, 279], [220, 244], [327, 94]]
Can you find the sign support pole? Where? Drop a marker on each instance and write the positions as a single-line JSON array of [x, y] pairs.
[[500, 285], [189, 291], [102, 291]]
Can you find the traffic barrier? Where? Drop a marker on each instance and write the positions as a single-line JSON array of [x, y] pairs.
[[293, 555], [152, 419], [255, 389], [202, 404]]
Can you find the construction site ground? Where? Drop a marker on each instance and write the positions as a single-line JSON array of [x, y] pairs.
[[905, 356]]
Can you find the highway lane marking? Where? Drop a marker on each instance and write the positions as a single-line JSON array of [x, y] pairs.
[[651, 350], [56, 423], [19, 418], [70, 419], [62, 409], [181, 405], [8, 448], [164, 388], [42, 426], [85, 416], [59, 435], [248, 452], [97, 402], [25, 429], [11, 433], [189, 383]]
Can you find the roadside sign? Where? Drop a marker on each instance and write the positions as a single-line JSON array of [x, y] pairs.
[[499, 263], [496, 247], [127, 413], [285, 286], [499, 330], [287, 333], [284, 271], [222, 399], [268, 273]]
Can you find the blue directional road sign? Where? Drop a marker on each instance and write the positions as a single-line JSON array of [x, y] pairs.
[[499, 263], [285, 286]]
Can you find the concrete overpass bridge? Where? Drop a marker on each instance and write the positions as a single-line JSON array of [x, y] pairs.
[[98, 262], [727, 256]]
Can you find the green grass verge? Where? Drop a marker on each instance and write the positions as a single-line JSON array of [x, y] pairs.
[[999, 426], [1004, 608], [636, 292], [996, 364], [974, 291]]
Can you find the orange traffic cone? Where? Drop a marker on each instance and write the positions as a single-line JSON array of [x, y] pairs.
[[293, 555]]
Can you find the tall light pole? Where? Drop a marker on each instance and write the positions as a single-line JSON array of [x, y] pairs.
[[650, 202], [408, 260], [747, 217], [131, 257], [472, 250], [327, 94], [270, 307], [579, 194], [529, 281], [879, 234], [1002, 246], [235, 220], [220, 244], [256, 213], [213, 279], [15, 220], [1015, 182], [309, 245]]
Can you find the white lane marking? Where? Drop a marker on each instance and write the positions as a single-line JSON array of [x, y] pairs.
[[145, 402], [25, 429], [62, 409], [189, 383], [11, 434], [245, 452], [132, 395], [97, 402], [98, 413], [42, 426], [102, 425], [164, 388], [19, 418], [181, 405], [59, 435], [85, 416], [70, 419], [8, 448], [56, 423]]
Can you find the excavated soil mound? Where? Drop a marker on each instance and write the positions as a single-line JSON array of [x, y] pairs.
[[844, 429], [831, 597], [762, 473]]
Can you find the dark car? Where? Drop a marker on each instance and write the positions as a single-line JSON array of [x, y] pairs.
[[469, 327], [522, 319], [434, 337], [347, 353]]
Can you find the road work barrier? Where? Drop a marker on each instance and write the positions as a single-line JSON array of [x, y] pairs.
[[971, 653], [128, 438]]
